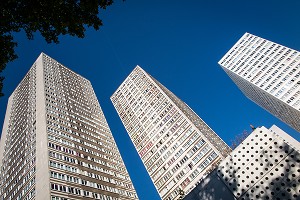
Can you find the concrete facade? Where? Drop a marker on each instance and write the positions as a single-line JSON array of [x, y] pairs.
[[268, 74], [176, 146], [266, 165], [42, 155], [56, 143]]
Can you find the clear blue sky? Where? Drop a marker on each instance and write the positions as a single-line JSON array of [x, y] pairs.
[[177, 42]]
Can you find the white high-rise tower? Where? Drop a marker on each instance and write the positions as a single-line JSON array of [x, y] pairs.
[[268, 74], [176, 146], [56, 143]]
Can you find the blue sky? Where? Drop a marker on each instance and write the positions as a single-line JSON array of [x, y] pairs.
[[179, 43]]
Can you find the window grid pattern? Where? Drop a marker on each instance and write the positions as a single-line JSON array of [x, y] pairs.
[[175, 145], [84, 159], [18, 165], [268, 74]]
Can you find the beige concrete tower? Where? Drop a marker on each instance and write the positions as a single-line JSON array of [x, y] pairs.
[[176, 146], [56, 143]]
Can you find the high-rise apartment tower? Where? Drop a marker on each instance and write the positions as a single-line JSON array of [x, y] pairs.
[[176, 146], [268, 74], [56, 143]]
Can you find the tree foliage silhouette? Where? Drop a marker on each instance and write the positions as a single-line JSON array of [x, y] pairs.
[[239, 139], [51, 18], [181, 194]]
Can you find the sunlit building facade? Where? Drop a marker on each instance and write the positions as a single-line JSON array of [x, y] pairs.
[[176, 146], [56, 143], [268, 74]]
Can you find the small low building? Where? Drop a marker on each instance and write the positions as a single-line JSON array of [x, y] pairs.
[[266, 165]]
